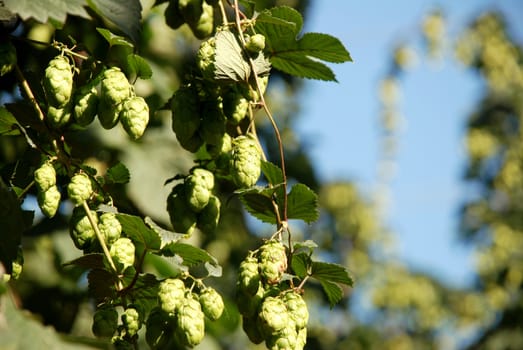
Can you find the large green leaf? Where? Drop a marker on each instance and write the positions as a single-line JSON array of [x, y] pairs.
[[135, 228], [191, 255], [333, 292], [21, 330], [301, 57], [330, 276], [125, 14], [13, 222], [44, 10], [258, 202], [302, 204]]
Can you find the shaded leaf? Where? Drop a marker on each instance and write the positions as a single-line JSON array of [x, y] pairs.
[[138, 66], [8, 123], [118, 174], [166, 236], [258, 202], [230, 65], [302, 203], [125, 14], [44, 10], [300, 264], [213, 270], [88, 261], [191, 255], [114, 39], [101, 284], [135, 228]]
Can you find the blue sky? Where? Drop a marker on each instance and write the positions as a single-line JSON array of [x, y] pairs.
[[340, 121]]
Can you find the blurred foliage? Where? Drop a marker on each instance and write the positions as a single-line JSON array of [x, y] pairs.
[[390, 307]]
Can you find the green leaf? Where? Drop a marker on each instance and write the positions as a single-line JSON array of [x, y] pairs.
[[118, 174], [166, 236], [324, 47], [299, 57], [135, 229], [8, 123], [114, 39], [302, 203], [44, 10], [331, 272], [191, 255], [101, 284], [88, 261], [138, 66], [125, 14], [22, 330], [144, 291], [230, 65], [300, 264], [272, 172], [258, 202], [213, 270], [333, 292]]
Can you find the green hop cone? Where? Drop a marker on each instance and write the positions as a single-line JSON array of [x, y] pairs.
[[105, 322], [190, 322], [249, 305], [248, 276], [182, 218], [198, 187], [212, 127], [273, 316], [132, 321], [245, 166], [186, 117], [173, 17], [223, 147], [17, 264], [158, 329], [109, 115], [122, 252], [272, 261], [206, 56], [49, 201], [212, 303], [286, 338], [79, 189], [59, 116], [297, 308], [301, 339], [250, 327], [7, 58], [171, 293], [86, 105], [191, 10], [255, 43], [209, 217], [58, 82], [134, 116], [109, 227], [45, 176], [205, 24], [115, 87], [235, 106], [81, 230]]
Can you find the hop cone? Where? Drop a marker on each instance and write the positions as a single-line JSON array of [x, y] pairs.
[[205, 24], [205, 57], [86, 105], [49, 201], [122, 253], [272, 261], [109, 227], [171, 293], [190, 322], [45, 176], [248, 276], [297, 308], [183, 219], [209, 217], [273, 315], [80, 229], [245, 162], [134, 116], [211, 303], [58, 82], [79, 189], [115, 87], [131, 321], [59, 116]]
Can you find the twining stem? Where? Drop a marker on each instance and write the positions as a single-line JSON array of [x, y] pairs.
[[223, 13], [98, 235], [29, 93], [269, 115]]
